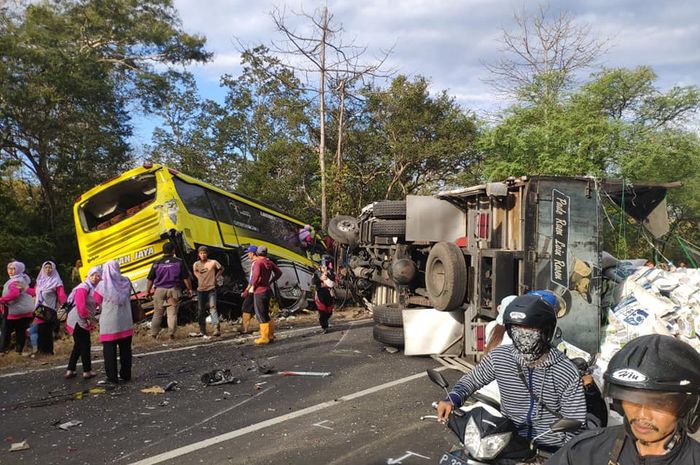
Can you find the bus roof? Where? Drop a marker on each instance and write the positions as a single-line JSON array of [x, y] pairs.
[[153, 167]]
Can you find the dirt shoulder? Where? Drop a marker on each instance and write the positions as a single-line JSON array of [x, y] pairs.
[[143, 342]]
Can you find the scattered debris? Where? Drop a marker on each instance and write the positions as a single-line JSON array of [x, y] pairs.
[[170, 386], [322, 374], [217, 377], [164, 403], [263, 367], [391, 350], [258, 386], [153, 390], [69, 424], [195, 335], [17, 446]]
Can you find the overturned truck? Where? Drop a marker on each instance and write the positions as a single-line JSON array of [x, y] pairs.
[[461, 251]]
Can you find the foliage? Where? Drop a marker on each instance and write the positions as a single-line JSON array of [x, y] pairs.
[[70, 73], [425, 140]]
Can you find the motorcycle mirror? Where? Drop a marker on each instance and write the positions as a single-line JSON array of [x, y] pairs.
[[565, 425], [557, 333], [437, 378]]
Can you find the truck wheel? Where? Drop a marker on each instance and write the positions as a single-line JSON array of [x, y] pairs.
[[391, 209], [388, 315], [388, 335], [446, 276], [344, 229], [389, 228]]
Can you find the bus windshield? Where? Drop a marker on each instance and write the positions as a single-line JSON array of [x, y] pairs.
[[118, 202]]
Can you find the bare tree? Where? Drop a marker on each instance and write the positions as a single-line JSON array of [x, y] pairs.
[[324, 54], [543, 53]]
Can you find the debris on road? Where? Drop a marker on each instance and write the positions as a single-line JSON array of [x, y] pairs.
[[391, 350], [217, 377], [18, 446], [153, 390], [69, 424], [170, 386], [262, 367], [321, 374], [258, 386]]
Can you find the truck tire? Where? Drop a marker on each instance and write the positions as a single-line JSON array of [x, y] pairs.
[[390, 209], [446, 276], [388, 315], [389, 228], [344, 229], [388, 335]]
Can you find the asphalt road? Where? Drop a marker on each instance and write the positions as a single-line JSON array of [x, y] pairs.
[[366, 412]]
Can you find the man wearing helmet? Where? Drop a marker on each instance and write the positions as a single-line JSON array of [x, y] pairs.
[[537, 382], [654, 383]]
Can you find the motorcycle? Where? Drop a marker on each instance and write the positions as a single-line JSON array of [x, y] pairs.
[[489, 438]]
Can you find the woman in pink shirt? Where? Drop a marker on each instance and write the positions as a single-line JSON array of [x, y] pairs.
[[18, 304], [81, 321], [116, 324]]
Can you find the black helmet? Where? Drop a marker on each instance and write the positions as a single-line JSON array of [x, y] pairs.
[[653, 364], [531, 310]]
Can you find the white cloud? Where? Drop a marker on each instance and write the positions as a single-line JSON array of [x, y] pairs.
[[447, 40]]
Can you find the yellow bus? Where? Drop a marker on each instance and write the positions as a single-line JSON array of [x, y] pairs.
[[131, 216]]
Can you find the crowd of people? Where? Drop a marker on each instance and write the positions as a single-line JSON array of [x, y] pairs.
[[34, 311], [102, 303]]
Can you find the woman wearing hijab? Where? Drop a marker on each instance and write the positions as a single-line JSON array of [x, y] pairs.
[[81, 321], [19, 305], [49, 295], [116, 324]]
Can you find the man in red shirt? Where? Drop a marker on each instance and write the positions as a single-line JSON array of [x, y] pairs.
[[265, 273]]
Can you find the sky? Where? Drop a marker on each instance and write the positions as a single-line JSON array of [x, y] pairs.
[[448, 41]]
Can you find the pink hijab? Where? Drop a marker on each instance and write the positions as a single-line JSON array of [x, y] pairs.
[[114, 287]]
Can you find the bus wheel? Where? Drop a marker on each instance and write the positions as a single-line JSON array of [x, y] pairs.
[[344, 229], [290, 306], [446, 276]]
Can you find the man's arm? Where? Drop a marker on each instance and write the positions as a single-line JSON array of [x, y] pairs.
[[573, 403], [482, 374], [219, 269], [150, 278], [276, 272]]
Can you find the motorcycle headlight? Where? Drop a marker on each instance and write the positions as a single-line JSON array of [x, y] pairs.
[[483, 448]]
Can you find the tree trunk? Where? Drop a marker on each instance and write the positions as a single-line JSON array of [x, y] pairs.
[[322, 116], [339, 148]]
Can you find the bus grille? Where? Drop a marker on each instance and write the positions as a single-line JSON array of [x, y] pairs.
[[139, 232]]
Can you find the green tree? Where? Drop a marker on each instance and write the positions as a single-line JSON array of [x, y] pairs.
[[425, 141], [70, 69], [71, 73]]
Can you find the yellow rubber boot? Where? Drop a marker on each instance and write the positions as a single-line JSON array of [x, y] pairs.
[[245, 323], [264, 334]]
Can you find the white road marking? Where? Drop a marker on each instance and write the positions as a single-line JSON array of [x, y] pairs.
[[273, 421], [344, 334], [408, 454], [62, 366], [320, 424], [226, 410]]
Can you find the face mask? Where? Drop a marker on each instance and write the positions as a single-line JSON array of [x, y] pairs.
[[529, 342]]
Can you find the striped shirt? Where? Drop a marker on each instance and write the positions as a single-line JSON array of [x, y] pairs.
[[555, 381]]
